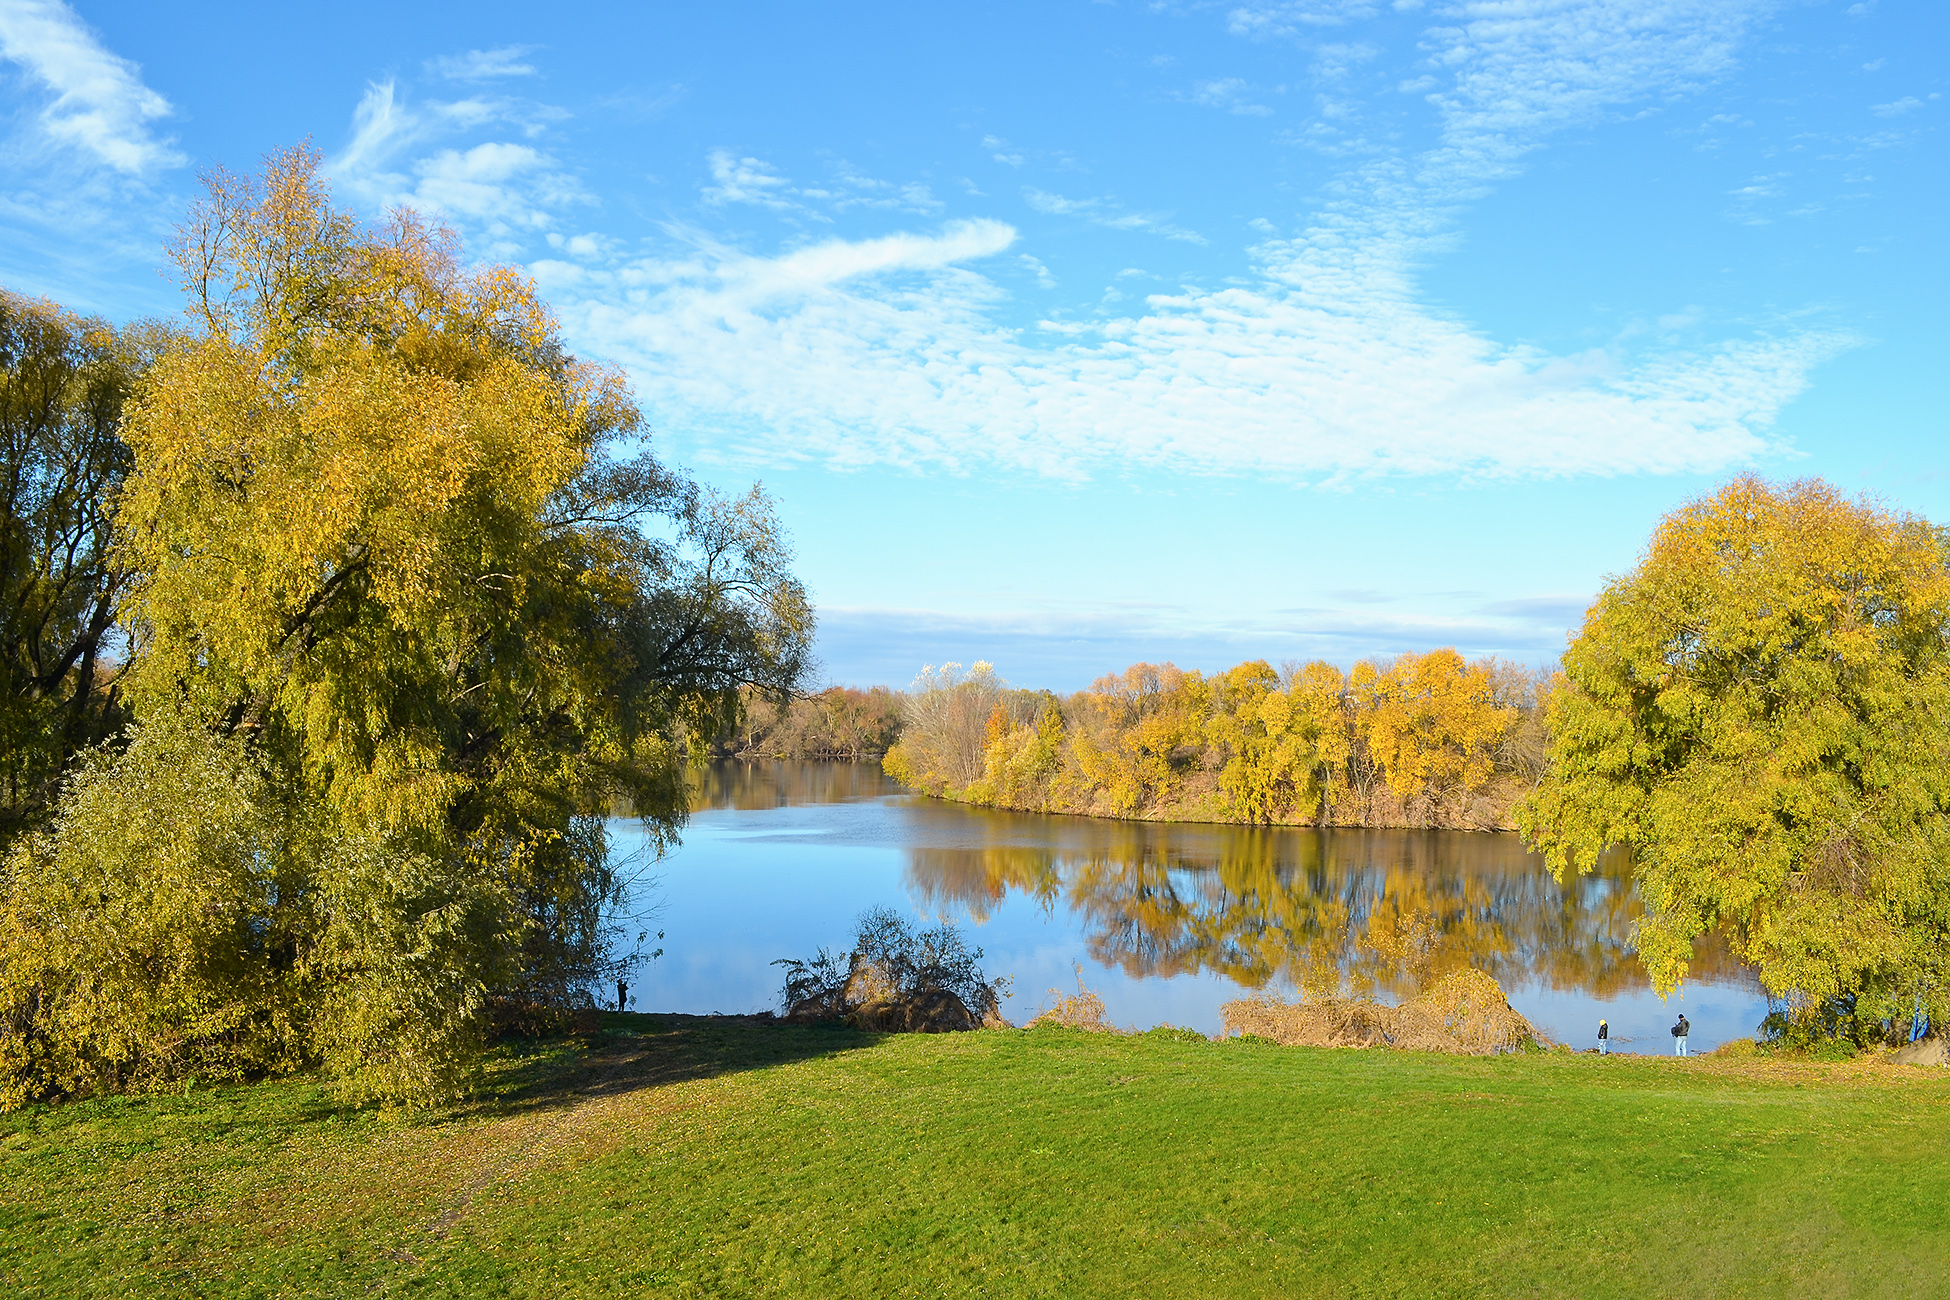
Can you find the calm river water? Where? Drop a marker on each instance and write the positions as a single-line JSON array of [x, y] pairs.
[[1167, 921]]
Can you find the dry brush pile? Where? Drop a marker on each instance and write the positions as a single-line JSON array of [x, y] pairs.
[[1462, 1013]]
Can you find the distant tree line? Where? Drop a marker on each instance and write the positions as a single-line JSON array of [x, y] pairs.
[[837, 723], [1423, 740]]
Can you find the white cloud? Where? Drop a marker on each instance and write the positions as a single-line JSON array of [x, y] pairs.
[[1321, 365], [395, 158], [100, 105], [746, 180], [885, 350], [1040, 271], [589, 245], [484, 65], [1525, 69], [1898, 108], [999, 150], [1291, 18], [755, 181], [1336, 61], [494, 182]]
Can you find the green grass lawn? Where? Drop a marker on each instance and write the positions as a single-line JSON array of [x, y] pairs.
[[699, 1157]]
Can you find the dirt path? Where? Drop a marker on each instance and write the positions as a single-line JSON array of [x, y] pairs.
[[619, 1070]]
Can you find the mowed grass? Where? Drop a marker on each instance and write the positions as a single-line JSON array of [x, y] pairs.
[[696, 1157]]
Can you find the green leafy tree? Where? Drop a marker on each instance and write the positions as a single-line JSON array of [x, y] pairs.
[[1761, 711], [63, 383], [388, 576]]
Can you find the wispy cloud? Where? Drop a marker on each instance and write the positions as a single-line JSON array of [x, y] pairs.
[[401, 154], [1107, 213], [1908, 103], [817, 351], [1040, 271], [746, 180], [756, 182], [1321, 365], [1000, 151], [1524, 70], [100, 104], [484, 65], [1291, 18], [1232, 94]]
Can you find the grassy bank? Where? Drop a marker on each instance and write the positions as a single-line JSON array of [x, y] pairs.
[[707, 1158]]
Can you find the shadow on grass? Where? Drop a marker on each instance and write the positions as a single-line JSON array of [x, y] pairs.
[[632, 1052]]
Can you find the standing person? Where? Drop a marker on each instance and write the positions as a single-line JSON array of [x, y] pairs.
[[1679, 1032], [622, 994], [1604, 1038]]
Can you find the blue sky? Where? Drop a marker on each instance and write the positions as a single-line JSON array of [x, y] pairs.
[[1069, 334]]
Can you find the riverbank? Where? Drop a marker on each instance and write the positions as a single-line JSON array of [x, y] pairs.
[[710, 1157]]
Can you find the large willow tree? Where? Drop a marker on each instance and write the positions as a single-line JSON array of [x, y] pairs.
[[1762, 712], [404, 623]]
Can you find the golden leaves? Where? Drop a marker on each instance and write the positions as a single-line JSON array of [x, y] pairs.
[[1762, 709], [1432, 722], [1423, 740]]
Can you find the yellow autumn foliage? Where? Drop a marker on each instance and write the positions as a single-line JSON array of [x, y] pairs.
[[401, 631], [1424, 740], [1760, 711]]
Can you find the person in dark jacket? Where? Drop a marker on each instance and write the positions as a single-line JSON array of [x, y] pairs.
[[1604, 1038], [1679, 1032]]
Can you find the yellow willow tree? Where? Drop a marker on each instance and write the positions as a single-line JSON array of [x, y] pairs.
[[399, 605], [1761, 710], [1286, 750], [1139, 725], [1433, 725]]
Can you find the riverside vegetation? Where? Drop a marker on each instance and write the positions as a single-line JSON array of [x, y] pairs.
[[836, 723], [333, 628], [396, 629], [1426, 740], [1759, 714]]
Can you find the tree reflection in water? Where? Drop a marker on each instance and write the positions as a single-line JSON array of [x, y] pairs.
[[1363, 912], [775, 783], [1366, 912]]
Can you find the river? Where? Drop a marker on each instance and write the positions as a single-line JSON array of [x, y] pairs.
[[1166, 921]]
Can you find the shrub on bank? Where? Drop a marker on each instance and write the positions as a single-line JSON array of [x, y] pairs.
[[896, 980]]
